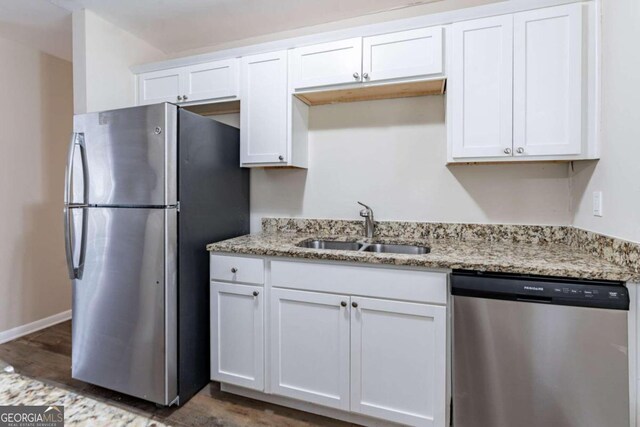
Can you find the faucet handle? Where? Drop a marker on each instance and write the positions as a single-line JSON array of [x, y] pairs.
[[367, 211]]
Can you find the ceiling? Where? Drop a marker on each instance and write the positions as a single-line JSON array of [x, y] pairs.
[[178, 25]]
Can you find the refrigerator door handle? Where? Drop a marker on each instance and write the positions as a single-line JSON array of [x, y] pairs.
[[85, 170], [68, 242], [69, 239], [83, 244], [77, 140]]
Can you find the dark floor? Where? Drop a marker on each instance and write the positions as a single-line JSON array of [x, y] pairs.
[[46, 356]]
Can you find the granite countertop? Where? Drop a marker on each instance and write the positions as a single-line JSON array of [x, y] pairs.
[[546, 257]]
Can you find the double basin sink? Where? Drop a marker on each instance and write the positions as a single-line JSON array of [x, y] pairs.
[[384, 248]]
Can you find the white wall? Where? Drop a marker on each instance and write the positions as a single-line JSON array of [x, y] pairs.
[[36, 124], [102, 55], [617, 173], [391, 154]]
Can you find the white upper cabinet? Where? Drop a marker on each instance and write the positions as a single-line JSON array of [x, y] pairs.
[[388, 57], [237, 335], [405, 54], [398, 361], [211, 80], [310, 347], [480, 88], [159, 86], [263, 110], [521, 87], [327, 64], [548, 81]]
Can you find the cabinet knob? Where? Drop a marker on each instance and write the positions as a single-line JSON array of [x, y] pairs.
[[356, 76], [179, 98], [507, 151], [234, 270], [520, 150], [354, 304], [281, 158], [343, 303], [365, 76], [184, 97], [255, 293]]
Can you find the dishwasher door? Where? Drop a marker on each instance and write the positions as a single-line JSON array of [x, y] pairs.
[[538, 364]]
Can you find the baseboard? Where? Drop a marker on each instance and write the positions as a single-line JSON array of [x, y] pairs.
[[337, 414], [19, 331]]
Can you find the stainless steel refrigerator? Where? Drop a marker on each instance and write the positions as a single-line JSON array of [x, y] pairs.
[[146, 189]]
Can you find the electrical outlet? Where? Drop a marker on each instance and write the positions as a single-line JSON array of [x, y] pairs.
[[597, 203]]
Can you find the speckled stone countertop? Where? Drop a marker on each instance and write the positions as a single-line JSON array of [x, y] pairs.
[[79, 410], [510, 249]]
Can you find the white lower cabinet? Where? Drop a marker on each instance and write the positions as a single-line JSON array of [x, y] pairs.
[[376, 357], [310, 347], [237, 335], [398, 365], [366, 345]]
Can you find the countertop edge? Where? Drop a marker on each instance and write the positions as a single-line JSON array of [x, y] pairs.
[[391, 260]]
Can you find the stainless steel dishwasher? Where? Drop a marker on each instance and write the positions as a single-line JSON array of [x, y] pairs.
[[539, 352]]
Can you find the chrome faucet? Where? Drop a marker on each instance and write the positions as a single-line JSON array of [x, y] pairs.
[[367, 214]]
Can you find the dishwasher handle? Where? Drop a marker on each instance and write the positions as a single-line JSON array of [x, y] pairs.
[[534, 298]]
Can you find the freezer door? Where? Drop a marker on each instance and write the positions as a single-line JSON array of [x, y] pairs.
[[124, 304], [125, 157]]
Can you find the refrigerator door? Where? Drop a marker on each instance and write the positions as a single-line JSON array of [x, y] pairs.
[[124, 157], [124, 303]]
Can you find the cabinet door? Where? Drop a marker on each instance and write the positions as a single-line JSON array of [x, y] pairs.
[[310, 347], [480, 88], [212, 80], [548, 81], [398, 361], [159, 86], [237, 335], [327, 64], [263, 115], [405, 54]]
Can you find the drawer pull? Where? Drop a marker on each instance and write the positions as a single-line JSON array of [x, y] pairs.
[[255, 293], [234, 270]]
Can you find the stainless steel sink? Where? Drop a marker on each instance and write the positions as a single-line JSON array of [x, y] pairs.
[[385, 248], [331, 244]]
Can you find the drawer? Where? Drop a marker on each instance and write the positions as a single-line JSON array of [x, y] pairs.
[[376, 282], [237, 269]]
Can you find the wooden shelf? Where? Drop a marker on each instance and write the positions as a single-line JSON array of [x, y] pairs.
[[215, 108], [369, 93]]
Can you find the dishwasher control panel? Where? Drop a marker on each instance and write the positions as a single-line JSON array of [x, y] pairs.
[[558, 291]]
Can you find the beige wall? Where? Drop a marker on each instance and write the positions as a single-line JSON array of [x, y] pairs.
[[617, 173], [102, 55], [391, 155], [36, 124]]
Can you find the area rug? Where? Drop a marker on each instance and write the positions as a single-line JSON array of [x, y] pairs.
[[79, 410]]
